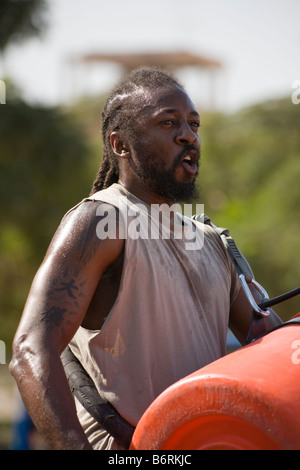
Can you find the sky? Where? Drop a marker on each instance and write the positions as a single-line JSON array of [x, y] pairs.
[[257, 42]]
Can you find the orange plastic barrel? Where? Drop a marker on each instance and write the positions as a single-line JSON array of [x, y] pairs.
[[247, 400]]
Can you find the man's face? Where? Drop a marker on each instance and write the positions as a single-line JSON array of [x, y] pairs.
[[166, 149]]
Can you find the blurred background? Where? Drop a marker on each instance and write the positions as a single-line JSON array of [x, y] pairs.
[[240, 63]]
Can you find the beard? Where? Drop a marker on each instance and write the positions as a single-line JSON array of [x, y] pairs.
[[164, 183]]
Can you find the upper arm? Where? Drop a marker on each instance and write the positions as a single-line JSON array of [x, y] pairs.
[[66, 281], [240, 317]]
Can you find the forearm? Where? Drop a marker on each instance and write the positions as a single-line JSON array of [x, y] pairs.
[[246, 325], [273, 320], [59, 298], [47, 397]]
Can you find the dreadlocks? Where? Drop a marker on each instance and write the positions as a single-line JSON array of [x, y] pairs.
[[118, 114]]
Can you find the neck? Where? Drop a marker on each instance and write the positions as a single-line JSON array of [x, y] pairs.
[[142, 192]]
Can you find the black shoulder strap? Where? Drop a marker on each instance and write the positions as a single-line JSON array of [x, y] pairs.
[[240, 263], [247, 277]]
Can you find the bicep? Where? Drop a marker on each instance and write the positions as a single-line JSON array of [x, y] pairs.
[[66, 281], [240, 316]]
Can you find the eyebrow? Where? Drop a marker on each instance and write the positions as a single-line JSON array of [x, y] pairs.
[[174, 111]]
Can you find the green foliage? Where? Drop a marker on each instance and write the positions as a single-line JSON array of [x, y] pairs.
[[249, 176], [45, 166], [21, 19], [250, 183]]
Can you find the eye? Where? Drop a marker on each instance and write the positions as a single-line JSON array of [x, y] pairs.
[[168, 122], [195, 124]]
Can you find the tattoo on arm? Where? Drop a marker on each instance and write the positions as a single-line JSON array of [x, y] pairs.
[[68, 286], [53, 315], [62, 300], [59, 307]]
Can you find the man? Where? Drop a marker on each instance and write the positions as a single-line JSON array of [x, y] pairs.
[[139, 312]]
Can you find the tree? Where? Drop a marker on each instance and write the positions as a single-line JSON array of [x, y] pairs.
[[21, 19], [45, 165], [250, 178]]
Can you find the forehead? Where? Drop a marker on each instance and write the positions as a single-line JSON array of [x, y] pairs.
[[167, 98]]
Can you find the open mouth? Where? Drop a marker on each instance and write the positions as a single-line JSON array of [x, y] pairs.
[[190, 162]]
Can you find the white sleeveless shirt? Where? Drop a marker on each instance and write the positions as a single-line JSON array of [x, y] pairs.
[[170, 317]]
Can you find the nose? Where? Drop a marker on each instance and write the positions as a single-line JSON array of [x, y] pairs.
[[186, 135]]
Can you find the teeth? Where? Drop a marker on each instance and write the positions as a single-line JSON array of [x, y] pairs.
[[188, 158]]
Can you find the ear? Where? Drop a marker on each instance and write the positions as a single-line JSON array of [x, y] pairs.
[[118, 145]]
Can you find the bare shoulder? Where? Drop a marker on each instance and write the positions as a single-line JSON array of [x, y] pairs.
[[90, 231], [67, 279]]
